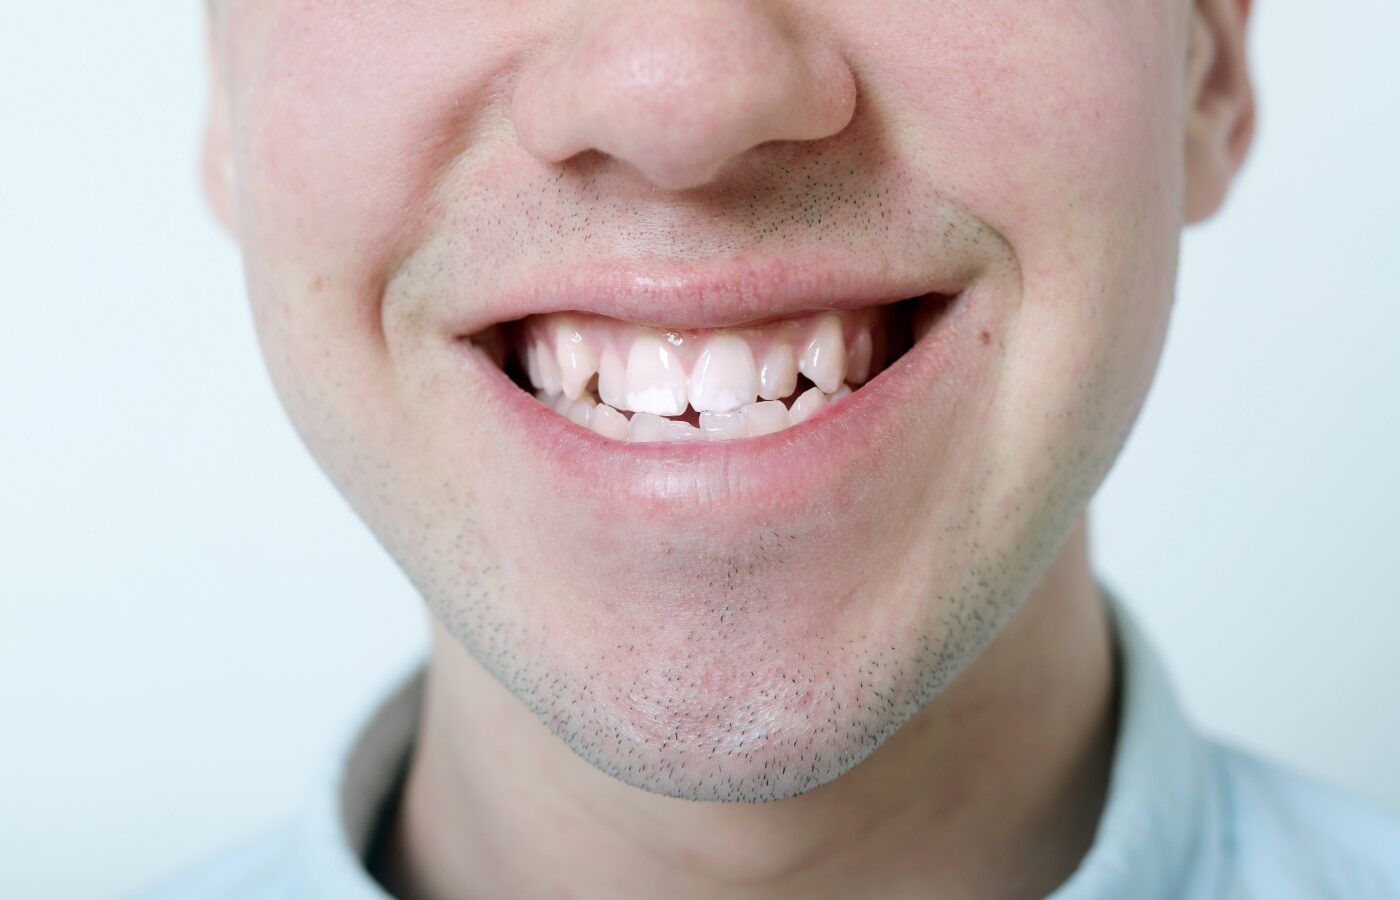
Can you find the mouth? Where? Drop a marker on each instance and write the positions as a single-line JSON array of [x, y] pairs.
[[639, 383]]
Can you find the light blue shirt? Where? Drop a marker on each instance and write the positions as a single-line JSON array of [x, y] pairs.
[[1186, 818]]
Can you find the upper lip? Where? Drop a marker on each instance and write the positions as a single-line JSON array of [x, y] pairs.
[[714, 293]]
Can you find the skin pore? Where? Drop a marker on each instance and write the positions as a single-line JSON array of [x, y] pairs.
[[669, 675]]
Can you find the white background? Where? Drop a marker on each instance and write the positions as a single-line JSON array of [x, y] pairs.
[[188, 613]]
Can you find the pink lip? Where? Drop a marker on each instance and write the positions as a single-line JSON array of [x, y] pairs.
[[829, 459], [712, 295]]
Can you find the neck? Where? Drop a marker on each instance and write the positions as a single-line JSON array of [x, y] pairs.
[[1010, 762]]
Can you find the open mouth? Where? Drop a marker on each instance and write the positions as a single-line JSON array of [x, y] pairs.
[[640, 384]]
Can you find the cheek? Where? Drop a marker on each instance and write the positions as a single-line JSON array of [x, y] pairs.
[[1060, 126], [346, 121]]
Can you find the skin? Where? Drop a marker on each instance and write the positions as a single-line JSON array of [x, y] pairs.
[[890, 686]]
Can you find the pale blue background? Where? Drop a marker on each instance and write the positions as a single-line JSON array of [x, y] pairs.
[[188, 613]]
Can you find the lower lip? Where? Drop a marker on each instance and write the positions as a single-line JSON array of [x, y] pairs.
[[825, 457]]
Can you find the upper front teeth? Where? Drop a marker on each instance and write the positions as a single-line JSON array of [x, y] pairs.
[[730, 377], [725, 377], [655, 382]]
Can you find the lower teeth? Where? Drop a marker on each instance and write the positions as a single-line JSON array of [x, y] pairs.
[[753, 420]]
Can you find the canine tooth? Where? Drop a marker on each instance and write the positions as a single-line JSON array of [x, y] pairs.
[[725, 377], [777, 377], [655, 382], [581, 412], [646, 427], [532, 370], [765, 418], [824, 358], [612, 380], [548, 365], [858, 360], [577, 361], [723, 426], [608, 422], [805, 406]]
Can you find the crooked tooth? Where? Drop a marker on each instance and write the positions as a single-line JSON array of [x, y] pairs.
[[804, 407], [683, 431], [725, 377], [655, 382], [577, 361], [723, 426], [532, 370], [581, 412], [777, 377], [858, 360], [612, 380], [765, 417], [646, 427], [824, 358], [608, 422], [548, 366]]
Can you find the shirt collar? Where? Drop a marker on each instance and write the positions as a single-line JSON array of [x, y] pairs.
[[1157, 838]]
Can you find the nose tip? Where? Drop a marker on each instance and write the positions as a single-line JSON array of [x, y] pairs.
[[679, 89]]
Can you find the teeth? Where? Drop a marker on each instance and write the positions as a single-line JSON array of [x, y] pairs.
[[655, 382], [683, 431], [841, 392], [765, 417], [725, 377], [612, 380], [723, 426], [560, 403], [608, 422], [581, 411], [804, 407], [646, 428], [547, 366], [824, 358], [577, 361], [777, 377], [858, 362]]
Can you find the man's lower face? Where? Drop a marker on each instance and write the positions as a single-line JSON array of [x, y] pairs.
[[725, 484]]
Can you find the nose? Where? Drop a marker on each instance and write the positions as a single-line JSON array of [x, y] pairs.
[[679, 88]]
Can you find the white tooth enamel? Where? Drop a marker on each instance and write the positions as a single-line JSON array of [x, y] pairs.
[[577, 361], [683, 431], [612, 380], [532, 369], [804, 407], [725, 377], [609, 422], [560, 403], [777, 377], [655, 382], [549, 368], [723, 426], [765, 418], [843, 391], [581, 412], [858, 360], [824, 358], [646, 427]]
